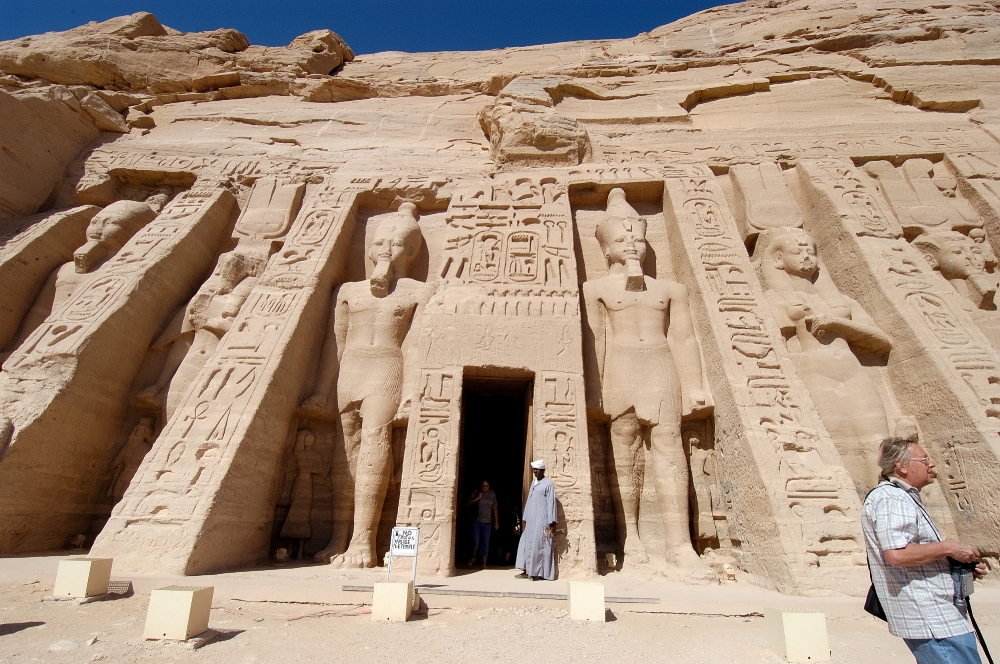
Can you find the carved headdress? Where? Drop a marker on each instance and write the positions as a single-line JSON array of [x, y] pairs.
[[622, 215], [619, 213]]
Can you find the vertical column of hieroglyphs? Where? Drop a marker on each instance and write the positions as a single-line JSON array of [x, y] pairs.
[[203, 499], [64, 388], [795, 509], [940, 356], [30, 248], [509, 301], [430, 466], [560, 437]]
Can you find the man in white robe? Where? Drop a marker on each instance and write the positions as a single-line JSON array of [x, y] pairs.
[[535, 554]]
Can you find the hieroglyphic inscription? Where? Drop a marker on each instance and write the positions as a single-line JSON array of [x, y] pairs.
[[560, 437], [427, 494], [789, 440], [955, 356], [69, 327], [182, 475], [510, 231]]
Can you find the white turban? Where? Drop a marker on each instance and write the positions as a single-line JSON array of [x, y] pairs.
[[538, 464]]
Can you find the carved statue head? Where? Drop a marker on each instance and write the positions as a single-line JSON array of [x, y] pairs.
[[394, 246], [143, 430], [622, 232], [794, 253], [784, 253], [232, 268], [953, 254], [109, 230]]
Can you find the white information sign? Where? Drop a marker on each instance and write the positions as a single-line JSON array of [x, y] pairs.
[[403, 544]]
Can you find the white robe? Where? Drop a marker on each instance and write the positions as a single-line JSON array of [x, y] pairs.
[[534, 553]]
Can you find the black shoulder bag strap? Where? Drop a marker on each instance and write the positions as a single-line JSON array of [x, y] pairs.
[[872, 603]]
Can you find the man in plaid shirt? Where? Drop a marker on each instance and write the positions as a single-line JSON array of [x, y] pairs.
[[908, 560]]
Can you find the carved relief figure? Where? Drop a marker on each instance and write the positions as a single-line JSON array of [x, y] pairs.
[[107, 233], [194, 333], [824, 330], [307, 462], [968, 266], [650, 367], [130, 457], [363, 356]]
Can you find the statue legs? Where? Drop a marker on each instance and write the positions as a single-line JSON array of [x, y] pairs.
[[344, 473], [372, 474], [626, 482], [673, 481]]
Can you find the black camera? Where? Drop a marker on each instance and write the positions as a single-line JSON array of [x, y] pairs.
[[963, 574]]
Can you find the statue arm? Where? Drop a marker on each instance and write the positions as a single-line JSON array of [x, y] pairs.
[[330, 355], [859, 330], [410, 350], [687, 355], [594, 347]]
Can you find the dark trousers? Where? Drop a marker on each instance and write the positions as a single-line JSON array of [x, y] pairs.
[[481, 538]]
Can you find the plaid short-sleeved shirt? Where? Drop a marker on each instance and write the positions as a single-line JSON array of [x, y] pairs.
[[918, 601]]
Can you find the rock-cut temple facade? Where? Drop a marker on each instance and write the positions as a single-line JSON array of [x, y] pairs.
[[255, 298]]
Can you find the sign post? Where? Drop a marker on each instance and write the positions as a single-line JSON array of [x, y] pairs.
[[403, 544]]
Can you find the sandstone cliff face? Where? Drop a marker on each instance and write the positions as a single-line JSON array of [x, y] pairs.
[[866, 135]]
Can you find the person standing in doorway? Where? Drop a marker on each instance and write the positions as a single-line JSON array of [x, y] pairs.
[[486, 518], [535, 554]]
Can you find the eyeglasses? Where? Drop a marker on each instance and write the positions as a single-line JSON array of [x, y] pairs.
[[926, 461]]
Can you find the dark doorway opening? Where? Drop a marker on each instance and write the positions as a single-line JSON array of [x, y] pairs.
[[494, 442]]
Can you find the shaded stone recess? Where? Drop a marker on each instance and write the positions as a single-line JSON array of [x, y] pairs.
[[246, 290]]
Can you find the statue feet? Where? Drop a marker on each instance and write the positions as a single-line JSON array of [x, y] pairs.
[[695, 568], [315, 407], [357, 556], [635, 552], [327, 555]]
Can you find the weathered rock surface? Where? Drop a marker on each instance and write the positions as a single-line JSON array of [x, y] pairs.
[[600, 232]]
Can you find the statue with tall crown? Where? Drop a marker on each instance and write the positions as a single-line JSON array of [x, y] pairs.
[[645, 351], [361, 374]]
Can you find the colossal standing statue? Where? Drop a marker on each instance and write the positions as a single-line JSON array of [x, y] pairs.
[[363, 357], [824, 329], [107, 233], [968, 266], [650, 367], [194, 332]]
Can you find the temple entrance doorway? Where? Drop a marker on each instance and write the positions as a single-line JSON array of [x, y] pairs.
[[495, 446]]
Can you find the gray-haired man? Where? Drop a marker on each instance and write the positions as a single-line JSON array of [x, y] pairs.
[[909, 560]]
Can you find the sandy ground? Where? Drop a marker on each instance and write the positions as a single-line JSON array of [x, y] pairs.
[[45, 631]]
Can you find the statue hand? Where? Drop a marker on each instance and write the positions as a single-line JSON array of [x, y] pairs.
[[819, 324], [697, 400]]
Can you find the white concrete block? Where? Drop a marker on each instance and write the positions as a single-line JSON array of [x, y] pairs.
[[586, 600], [392, 600], [82, 577], [178, 612], [798, 635]]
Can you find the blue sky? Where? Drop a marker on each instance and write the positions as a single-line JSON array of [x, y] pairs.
[[372, 26]]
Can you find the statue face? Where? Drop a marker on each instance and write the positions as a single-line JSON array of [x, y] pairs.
[[624, 244], [390, 245], [101, 227], [797, 257], [958, 261], [229, 269]]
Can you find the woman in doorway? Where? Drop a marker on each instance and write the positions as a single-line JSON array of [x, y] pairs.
[[486, 517]]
